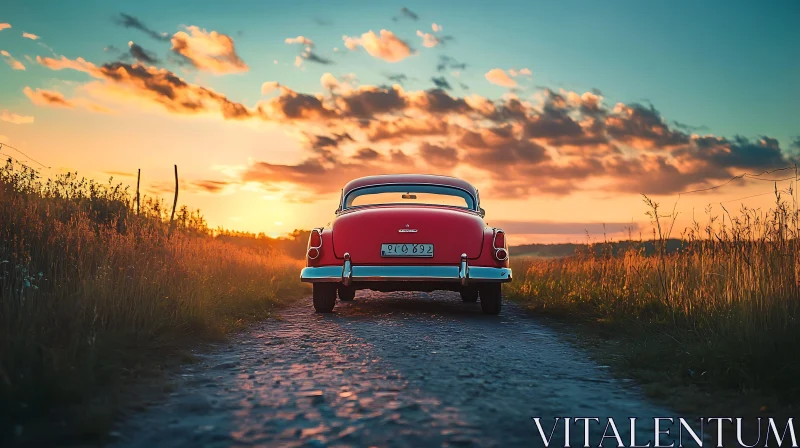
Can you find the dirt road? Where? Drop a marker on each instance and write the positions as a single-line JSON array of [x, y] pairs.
[[401, 369]]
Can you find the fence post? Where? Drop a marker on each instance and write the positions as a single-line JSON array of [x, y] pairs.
[[138, 178], [174, 202]]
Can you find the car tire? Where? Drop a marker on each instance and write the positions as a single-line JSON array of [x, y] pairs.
[[469, 294], [324, 297], [491, 298], [347, 294]]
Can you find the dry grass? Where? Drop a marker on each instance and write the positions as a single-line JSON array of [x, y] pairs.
[[720, 314], [93, 294]]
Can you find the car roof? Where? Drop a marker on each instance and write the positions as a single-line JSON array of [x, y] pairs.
[[435, 179]]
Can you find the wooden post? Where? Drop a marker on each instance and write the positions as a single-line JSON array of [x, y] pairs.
[[138, 178], [174, 202]]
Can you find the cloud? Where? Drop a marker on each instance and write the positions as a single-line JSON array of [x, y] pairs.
[[441, 83], [79, 64], [438, 156], [13, 63], [50, 98], [269, 86], [795, 144], [428, 40], [30, 36], [208, 51], [398, 78], [406, 13], [449, 63], [142, 55], [4, 26], [129, 21], [523, 71], [300, 40], [642, 127], [387, 46], [137, 83], [320, 176], [499, 77], [308, 53], [436, 28], [402, 129], [311, 56], [210, 186], [560, 143], [11, 117], [328, 81]]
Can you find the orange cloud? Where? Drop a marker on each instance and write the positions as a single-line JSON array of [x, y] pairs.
[[11, 117], [51, 98], [524, 71], [300, 40], [568, 142], [30, 36], [387, 46], [4, 26], [13, 63], [269, 86], [499, 77], [208, 51], [428, 39], [79, 64]]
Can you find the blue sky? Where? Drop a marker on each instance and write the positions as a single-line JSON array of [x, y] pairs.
[[724, 68], [730, 66]]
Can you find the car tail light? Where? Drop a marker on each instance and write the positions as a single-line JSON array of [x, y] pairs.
[[499, 238], [499, 245], [314, 244]]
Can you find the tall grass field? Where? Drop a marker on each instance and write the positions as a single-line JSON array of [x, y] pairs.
[[92, 292], [720, 312]]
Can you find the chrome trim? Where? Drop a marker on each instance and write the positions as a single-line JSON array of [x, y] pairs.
[[494, 238], [417, 273], [344, 195], [347, 270], [498, 231], [463, 270], [308, 253], [318, 231]]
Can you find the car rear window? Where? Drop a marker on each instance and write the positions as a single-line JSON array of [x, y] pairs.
[[409, 194]]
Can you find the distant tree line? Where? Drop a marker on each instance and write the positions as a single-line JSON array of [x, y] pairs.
[[611, 248]]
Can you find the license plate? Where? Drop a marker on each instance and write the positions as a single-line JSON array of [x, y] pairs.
[[406, 250]]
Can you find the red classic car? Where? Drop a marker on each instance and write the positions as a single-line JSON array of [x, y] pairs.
[[408, 232]]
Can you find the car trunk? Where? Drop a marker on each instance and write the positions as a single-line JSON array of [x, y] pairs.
[[451, 231]]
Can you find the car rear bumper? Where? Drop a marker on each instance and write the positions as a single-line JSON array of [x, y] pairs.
[[348, 273]]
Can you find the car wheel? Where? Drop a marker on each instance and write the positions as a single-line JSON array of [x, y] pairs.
[[469, 294], [491, 298], [324, 297], [346, 294]]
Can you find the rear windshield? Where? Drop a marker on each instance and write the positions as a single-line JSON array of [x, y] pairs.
[[409, 194]]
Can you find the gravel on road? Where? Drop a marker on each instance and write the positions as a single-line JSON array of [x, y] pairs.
[[398, 370]]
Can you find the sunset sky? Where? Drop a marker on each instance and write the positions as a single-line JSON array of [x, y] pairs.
[[561, 113]]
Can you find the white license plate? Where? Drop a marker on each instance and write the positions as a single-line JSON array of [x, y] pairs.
[[406, 250]]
